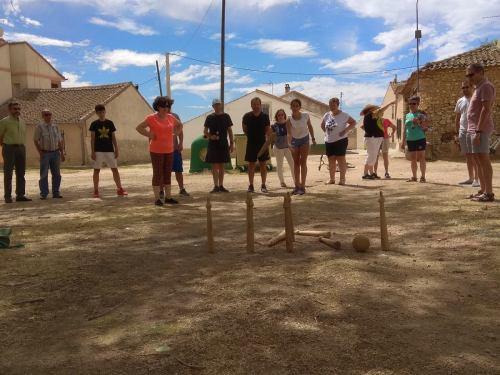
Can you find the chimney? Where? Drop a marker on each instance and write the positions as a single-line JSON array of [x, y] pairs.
[[287, 88]]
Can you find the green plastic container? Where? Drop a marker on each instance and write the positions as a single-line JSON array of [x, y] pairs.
[[198, 154]]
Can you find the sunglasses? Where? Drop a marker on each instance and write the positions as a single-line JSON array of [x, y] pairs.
[[413, 103], [465, 87], [469, 75]]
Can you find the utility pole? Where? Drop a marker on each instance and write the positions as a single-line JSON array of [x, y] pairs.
[[340, 102], [222, 51], [159, 80], [418, 35], [167, 75]]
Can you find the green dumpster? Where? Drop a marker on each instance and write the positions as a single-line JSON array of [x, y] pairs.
[[198, 154]]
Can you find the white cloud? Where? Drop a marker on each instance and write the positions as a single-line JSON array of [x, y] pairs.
[[180, 31], [119, 58], [216, 36], [43, 41], [73, 80], [281, 48], [458, 24], [347, 44], [6, 22], [124, 24], [30, 22], [11, 7], [355, 94]]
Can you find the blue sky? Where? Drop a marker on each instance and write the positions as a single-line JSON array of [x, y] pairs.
[[331, 42]]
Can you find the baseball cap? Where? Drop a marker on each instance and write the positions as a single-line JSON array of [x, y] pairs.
[[216, 101]]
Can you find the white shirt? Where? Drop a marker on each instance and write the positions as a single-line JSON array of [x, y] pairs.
[[461, 107], [299, 127], [334, 124]]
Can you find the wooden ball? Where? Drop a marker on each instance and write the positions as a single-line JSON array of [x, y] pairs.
[[360, 243]]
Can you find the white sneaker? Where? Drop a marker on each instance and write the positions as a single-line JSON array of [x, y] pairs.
[[476, 183]]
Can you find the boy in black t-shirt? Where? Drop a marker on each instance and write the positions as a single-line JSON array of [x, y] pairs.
[[104, 149], [257, 127]]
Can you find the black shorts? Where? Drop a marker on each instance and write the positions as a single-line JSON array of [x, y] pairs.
[[338, 148], [252, 151], [418, 145]]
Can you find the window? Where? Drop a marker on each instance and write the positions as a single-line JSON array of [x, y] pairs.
[[54, 85], [266, 108]]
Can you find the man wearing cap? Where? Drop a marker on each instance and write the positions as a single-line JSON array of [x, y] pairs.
[[12, 139], [49, 143], [217, 129], [374, 136]]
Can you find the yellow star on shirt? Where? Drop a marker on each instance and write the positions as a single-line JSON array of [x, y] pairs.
[[103, 132]]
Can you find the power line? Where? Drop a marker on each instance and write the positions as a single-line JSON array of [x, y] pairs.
[[199, 26], [291, 73], [152, 78]]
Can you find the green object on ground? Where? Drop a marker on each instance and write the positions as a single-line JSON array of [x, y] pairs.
[[5, 237], [198, 154]]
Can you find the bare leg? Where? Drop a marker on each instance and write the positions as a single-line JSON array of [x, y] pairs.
[[296, 165], [487, 170], [480, 173], [95, 177], [180, 179], [263, 172], [423, 162], [251, 172], [332, 167], [385, 155], [220, 173], [470, 166], [375, 168], [342, 167], [116, 177], [215, 174], [414, 167], [304, 152]]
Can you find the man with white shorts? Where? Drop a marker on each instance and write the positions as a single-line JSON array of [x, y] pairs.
[[104, 149]]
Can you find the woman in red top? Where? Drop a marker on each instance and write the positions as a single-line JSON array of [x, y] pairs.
[[160, 128]]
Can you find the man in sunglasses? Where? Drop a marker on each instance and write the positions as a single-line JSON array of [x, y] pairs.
[[479, 129], [13, 139]]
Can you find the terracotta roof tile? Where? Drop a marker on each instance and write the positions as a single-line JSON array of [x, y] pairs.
[[488, 55], [68, 105]]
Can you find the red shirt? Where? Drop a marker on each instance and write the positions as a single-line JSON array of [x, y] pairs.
[[484, 92], [164, 133]]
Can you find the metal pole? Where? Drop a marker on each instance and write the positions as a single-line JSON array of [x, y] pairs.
[[418, 35], [158, 75], [167, 74], [222, 51], [340, 103]]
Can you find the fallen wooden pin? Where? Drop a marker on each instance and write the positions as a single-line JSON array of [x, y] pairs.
[[314, 233], [277, 239], [335, 244]]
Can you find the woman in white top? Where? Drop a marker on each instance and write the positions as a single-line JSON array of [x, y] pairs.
[[298, 129], [336, 125]]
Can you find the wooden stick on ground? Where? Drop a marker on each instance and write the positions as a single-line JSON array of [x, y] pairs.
[[384, 235], [314, 233], [195, 367], [110, 310], [277, 239], [250, 226], [287, 205], [210, 230], [335, 244]]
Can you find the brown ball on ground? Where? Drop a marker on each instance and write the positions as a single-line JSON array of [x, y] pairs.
[[360, 243]]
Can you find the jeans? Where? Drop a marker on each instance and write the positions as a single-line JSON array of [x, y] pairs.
[[282, 153], [50, 160], [14, 157]]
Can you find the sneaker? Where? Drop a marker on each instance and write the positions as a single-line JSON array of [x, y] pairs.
[[263, 189], [301, 191], [162, 194], [23, 199], [283, 185], [222, 189], [368, 177], [476, 183], [183, 192], [158, 202], [375, 176], [56, 196], [250, 189], [216, 189], [121, 192], [96, 194], [295, 191], [387, 175], [8, 200], [171, 201], [43, 197], [423, 180], [466, 182]]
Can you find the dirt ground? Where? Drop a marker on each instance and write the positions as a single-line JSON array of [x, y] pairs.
[[119, 286]]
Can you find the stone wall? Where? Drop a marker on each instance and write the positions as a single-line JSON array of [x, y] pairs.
[[439, 92]]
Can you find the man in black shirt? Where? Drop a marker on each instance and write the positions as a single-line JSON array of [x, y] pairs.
[[104, 149], [257, 127]]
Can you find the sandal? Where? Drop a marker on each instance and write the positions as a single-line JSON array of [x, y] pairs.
[[330, 182], [422, 179], [485, 197], [412, 179], [472, 196]]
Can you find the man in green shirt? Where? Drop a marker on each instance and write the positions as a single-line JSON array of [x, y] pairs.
[[12, 139]]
